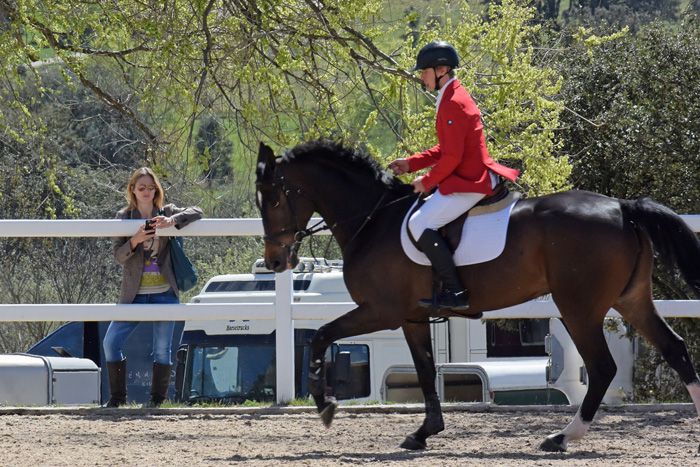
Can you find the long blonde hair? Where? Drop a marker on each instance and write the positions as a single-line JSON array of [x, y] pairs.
[[158, 199]]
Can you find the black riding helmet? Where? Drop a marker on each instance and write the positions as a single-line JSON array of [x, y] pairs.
[[436, 53]]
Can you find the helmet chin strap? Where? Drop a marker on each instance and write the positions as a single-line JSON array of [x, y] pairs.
[[438, 78]]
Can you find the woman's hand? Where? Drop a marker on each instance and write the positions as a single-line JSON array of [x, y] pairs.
[[399, 166], [141, 236], [163, 222]]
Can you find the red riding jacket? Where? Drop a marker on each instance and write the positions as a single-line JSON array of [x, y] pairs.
[[460, 160]]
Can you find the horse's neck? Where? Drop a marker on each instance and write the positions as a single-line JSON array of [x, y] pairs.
[[346, 206]]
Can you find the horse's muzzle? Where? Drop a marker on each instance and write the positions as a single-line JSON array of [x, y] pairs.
[[282, 263]]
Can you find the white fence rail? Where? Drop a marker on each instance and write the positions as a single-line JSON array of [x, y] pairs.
[[283, 311]]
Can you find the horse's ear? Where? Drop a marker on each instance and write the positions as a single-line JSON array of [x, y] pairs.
[[266, 161]]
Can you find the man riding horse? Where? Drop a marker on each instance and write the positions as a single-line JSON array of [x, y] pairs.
[[590, 252], [461, 169]]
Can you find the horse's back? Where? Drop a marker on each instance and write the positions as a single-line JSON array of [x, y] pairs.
[[573, 205], [571, 222]]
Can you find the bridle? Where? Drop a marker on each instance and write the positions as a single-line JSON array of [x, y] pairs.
[[287, 190]]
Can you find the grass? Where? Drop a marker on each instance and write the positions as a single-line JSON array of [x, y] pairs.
[[299, 402]]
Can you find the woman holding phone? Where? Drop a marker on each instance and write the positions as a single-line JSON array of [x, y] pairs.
[[147, 277]]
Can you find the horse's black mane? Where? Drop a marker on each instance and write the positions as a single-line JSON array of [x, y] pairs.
[[357, 158]]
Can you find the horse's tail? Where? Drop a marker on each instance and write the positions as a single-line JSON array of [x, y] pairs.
[[673, 240]]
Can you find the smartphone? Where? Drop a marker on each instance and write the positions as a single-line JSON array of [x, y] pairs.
[[149, 226]]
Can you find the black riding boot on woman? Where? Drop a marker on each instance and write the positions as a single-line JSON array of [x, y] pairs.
[[117, 384], [452, 296], [159, 385]]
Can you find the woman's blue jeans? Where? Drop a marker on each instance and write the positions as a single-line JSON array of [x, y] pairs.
[[119, 331]]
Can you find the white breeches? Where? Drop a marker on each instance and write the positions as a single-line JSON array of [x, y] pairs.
[[439, 210]]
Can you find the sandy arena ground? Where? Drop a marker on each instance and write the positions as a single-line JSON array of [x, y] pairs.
[[176, 437]]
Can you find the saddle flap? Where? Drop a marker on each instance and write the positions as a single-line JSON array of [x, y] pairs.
[[474, 237], [452, 232]]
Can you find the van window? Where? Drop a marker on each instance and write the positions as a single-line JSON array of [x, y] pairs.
[[359, 382], [526, 340], [253, 286], [232, 373]]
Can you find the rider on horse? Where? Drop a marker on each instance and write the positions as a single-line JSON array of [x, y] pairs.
[[461, 169]]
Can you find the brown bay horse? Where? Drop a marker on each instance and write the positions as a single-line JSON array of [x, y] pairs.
[[591, 252]]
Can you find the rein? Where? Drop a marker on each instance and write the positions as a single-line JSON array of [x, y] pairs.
[[301, 234]]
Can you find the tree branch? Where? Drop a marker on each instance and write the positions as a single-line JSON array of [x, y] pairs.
[[206, 60], [377, 106], [104, 95]]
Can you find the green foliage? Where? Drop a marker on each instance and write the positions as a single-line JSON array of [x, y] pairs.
[[617, 13], [215, 151], [306, 402], [654, 379], [320, 69], [641, 102], [634, 130]]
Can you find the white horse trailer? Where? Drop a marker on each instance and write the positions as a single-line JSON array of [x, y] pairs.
[[533, 361]]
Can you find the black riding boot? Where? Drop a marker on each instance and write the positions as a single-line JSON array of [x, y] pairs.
[[452, 296], [117, 383], [159, 384]]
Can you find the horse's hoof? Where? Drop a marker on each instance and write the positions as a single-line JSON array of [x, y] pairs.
[[554, 443], [328, 412], [412, 443]]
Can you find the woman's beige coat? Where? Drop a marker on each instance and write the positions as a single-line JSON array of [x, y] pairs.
[[132, 260]]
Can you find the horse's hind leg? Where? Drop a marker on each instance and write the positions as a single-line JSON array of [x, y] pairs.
[[587, 333], [420, 344], [641, 313]]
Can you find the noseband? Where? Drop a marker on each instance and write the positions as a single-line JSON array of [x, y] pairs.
[[299, 234]]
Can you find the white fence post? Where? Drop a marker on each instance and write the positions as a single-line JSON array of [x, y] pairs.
[[284, 341]]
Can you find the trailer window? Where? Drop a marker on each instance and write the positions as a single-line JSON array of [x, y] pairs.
[[241, 286], [522, 339], [533, 331]]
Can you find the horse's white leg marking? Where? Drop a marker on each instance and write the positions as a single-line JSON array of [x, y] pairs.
[[577, 429], [694, 390]]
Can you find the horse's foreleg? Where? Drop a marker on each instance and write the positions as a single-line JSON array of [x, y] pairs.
[[420, 344], [325, 404], [600, 366], [361, 320]]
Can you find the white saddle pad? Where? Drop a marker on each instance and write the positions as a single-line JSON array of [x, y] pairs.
[[483, 238]]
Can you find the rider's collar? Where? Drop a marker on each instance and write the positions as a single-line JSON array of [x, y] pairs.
[[441, 92]]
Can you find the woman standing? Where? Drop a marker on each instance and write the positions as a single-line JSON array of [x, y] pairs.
[[147, 277]]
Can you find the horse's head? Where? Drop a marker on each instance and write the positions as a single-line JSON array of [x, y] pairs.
[[284, 210]]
